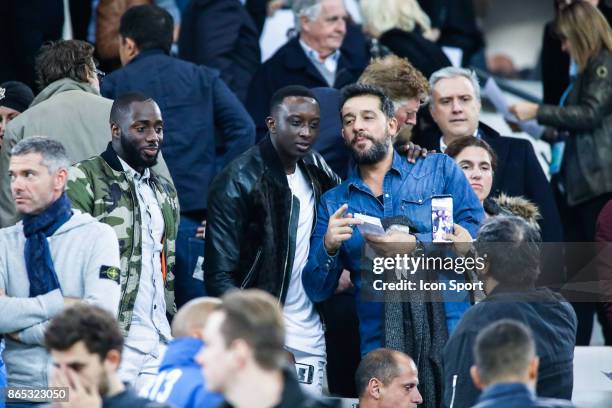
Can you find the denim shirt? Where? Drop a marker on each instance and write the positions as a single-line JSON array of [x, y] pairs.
[[407, 190]]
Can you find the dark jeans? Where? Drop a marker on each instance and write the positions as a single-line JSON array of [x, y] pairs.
[[188, 250]]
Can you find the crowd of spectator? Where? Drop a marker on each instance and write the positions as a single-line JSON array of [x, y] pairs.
[[196, 227]]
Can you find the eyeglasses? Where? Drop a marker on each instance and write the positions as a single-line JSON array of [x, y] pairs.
[[100, 74]]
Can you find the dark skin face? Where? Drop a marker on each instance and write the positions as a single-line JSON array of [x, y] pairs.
[[138, 135], [294, 128]]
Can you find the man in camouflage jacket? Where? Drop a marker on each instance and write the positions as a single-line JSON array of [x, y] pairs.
[[110, 188]]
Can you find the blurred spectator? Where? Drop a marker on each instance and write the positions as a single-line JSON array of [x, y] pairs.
[[86, 348], [369, 128], [49, 260], [603, 235], [221, 35], [199, 111], [329, 143], [108, 17], [506, 368], [387, 378], [455, 107], [25, 27], [556, 70], [244, 355], [68, 109], [402, 27], [119, 188], [404, 85], [510, 247], [313, 59], [15, 97], [180, 381], [261, 214], [456, 22], [583, 122]]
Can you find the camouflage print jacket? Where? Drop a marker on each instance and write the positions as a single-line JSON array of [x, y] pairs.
[[99, 186]]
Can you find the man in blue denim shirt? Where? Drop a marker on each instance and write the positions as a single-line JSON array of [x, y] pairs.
[[382, 185]]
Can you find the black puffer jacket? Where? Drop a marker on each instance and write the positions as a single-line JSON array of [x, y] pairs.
[[587, 116], [252, 221]]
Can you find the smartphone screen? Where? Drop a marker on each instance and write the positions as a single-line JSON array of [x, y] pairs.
[[441, 218]]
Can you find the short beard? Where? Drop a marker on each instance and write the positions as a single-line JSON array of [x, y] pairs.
[[133, 156], [375, 154]]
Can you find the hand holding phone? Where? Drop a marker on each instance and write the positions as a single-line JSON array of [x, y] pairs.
[[441, 218]]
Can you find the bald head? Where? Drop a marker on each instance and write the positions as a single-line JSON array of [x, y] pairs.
[[192, 317], [387, 378]]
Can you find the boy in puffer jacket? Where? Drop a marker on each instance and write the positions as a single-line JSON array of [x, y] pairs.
[[180, 381]]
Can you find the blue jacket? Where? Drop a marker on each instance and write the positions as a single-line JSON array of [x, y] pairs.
[[195, 105], [516, 395], [180, 382], [407, 190]]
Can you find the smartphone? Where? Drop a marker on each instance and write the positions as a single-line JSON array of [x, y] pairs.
[[305, 373], [441, 218]]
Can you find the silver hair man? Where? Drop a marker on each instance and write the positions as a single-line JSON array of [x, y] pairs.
[[54, 156], [453, 72]]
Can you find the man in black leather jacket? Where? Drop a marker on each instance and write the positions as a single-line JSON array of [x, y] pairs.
[[261, 212]]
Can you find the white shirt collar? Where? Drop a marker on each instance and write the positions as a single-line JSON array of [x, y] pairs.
[[443, 145], [330, 62], [133, 173]]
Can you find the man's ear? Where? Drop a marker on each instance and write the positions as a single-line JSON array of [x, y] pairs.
[[115, 130], [271, 124], [61, 177], [534, 364], [393, 126], [476, 377], [304, 24], [374, 388], [113, 360]]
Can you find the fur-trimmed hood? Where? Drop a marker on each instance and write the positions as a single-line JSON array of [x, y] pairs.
[[517, 205]]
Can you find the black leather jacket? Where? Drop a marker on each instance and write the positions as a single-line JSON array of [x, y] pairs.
[[587, 116], [252, 221]]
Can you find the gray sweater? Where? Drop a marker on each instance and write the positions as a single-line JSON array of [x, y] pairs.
[[80, 249]]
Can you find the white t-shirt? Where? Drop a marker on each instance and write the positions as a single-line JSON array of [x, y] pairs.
[[302, 322]]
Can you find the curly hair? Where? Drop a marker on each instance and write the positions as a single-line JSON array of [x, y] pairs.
[[64, 59], [397, 77]]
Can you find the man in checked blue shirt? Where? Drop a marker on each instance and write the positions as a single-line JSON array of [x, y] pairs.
[[383, 185]]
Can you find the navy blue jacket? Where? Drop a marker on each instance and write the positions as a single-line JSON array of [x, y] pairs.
[[179, 381], [221, 35], [290, 66], [195, 105], [330, 143], [553, 323], [516, 395]]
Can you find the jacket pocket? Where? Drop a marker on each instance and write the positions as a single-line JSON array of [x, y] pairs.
[[249, 276], [418, 212]]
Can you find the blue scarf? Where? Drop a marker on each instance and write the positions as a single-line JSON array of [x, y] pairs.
[[36, 229]]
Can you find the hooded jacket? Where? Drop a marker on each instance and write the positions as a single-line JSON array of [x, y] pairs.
[[68, 111], [83, 267], [179, 381]]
